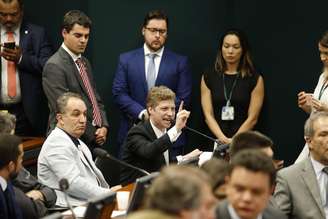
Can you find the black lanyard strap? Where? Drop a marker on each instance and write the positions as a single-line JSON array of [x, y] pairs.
[[323, 88], [232, 88]]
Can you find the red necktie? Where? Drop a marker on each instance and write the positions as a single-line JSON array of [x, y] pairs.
[[91, 94], [11, 71]]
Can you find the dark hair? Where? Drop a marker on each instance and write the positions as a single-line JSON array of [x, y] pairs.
[[20, 3], [245, 66], [62, 100], [324, 39], [75, 17], [249, 140], [155, 14], [217, 170], [9, 150], [255, 161], [177, 188], [7, 122]]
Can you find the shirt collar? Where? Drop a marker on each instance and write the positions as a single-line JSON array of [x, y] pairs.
[[157, 131], [234, 214], [74, 56], [75, 140], [317, 166], [3, 183], [158, 52], [4, 31]]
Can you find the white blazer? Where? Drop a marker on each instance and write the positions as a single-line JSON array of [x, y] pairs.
[[60, 158]]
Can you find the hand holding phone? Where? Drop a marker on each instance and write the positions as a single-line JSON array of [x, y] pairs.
[[9, 45]]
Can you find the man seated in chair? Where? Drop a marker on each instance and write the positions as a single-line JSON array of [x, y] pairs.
[[32, 197], [64, 155], [148, 144]]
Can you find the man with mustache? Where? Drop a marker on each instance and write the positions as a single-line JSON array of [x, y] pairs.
[[149, 143], [68, 71], [143, 68], [64, 155], [24, 51]]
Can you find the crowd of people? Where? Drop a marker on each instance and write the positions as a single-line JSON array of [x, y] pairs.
[[152, 89]]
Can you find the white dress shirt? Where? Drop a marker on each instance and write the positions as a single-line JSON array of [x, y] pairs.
[[322, 179], [172, 133], [5, 99], [234, 215]]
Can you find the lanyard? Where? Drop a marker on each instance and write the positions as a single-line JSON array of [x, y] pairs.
[[225, 89], [323, 88]]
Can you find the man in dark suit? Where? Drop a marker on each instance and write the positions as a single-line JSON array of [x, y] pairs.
[[151, 65], [21, 69], [32, 197], [67, 70], [149, 143], [249, 186], [302, 190], [11, 157]]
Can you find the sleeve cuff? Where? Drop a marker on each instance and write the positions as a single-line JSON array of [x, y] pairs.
[[173, 134]]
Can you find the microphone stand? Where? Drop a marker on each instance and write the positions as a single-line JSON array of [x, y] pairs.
[[220, 150]]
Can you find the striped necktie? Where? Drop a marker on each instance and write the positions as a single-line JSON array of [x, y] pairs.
[[86, 82]]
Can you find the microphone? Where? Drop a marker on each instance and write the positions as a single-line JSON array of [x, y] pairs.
[[104, 154], [220, 150], [64, 185]]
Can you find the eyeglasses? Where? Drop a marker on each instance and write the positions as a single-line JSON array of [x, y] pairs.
[[161, 32]]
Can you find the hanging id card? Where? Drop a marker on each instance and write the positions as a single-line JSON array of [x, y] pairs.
[[228, 112]]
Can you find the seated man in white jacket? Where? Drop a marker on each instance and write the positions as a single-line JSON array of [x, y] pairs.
[[64, 155]]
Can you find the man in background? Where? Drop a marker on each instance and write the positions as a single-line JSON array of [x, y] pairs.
[[22, 61], [249, 186], [181, 192], [11, 157], [302, 190], [68, 71], [151, 65], [32, 197]]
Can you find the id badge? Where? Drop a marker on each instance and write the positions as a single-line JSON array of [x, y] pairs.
[[227, 113]]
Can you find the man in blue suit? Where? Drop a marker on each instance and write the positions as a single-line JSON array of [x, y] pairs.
[[11, 157], [143, 68], [21, 69]]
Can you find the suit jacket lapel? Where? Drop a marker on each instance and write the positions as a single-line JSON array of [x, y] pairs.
[[24, 31], [311, 182], [152, 136], [68, 59], [90, 164], [162, 69], [3, 205], [140, 64]]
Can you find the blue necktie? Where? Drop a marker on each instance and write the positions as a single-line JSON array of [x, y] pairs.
[[151, 71]]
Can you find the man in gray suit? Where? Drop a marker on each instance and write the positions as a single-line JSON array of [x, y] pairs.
[[249, 187], [68, 71], [301, 190], [64, 155]]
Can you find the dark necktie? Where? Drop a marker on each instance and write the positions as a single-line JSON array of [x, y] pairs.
[[13, 209], [86, 82], [151, 71]]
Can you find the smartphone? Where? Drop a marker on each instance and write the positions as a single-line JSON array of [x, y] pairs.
[[9, 45]]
